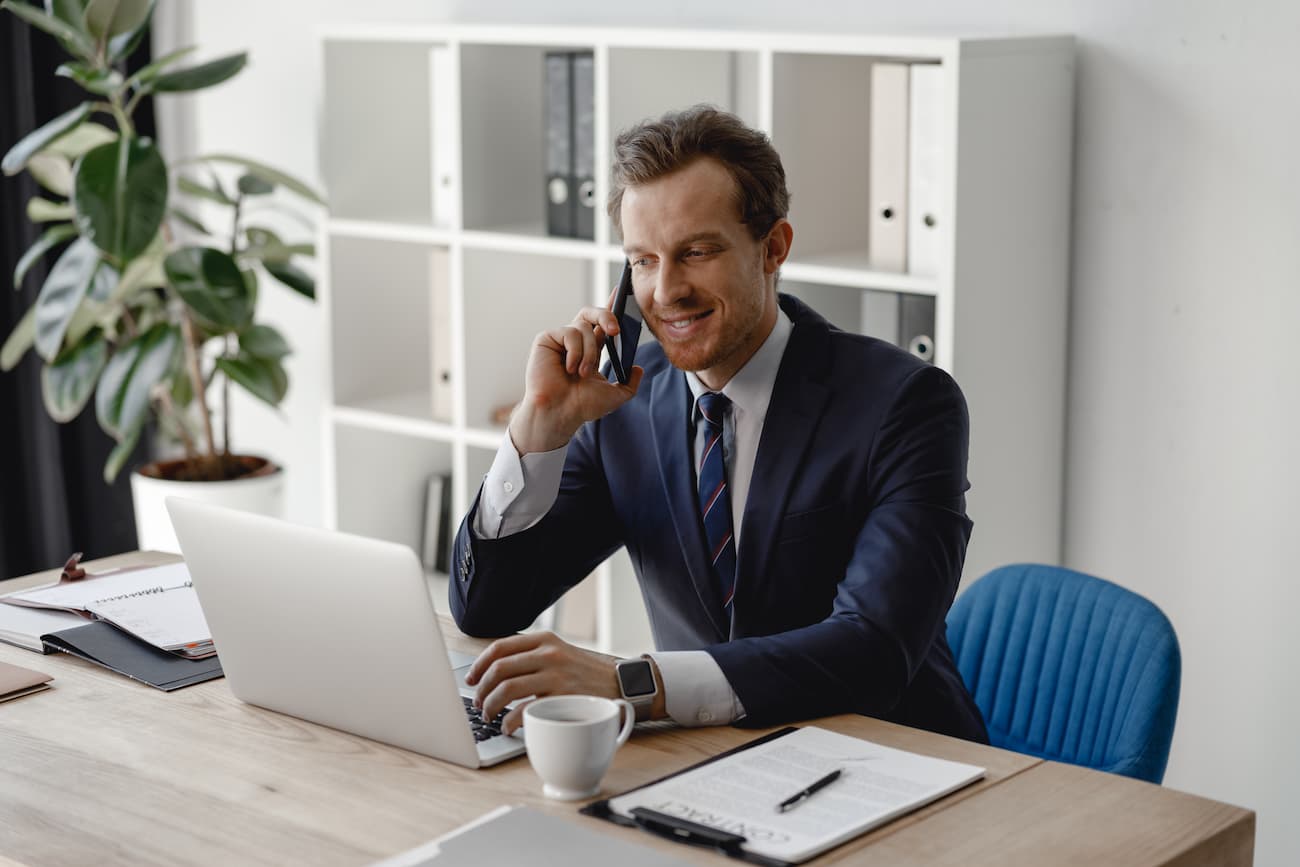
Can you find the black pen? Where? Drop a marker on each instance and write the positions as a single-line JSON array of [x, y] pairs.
[[799, 797]]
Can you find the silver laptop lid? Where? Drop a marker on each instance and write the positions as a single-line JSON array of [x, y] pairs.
[[328, 627]]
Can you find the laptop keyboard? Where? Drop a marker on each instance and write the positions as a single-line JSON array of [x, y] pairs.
[[482, 729]]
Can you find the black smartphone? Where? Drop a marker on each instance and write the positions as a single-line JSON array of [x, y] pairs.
[[622, 349]]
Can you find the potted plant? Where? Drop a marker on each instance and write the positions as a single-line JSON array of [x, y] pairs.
[[146, 309]]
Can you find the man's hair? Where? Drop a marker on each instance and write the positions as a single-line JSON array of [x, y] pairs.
[[655, 148]]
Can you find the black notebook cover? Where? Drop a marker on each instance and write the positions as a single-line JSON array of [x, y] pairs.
[[106, 645]]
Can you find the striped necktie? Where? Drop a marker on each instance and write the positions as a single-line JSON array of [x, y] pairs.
[[715, 500]]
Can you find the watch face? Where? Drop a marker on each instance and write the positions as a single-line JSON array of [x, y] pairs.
[[636, 678]]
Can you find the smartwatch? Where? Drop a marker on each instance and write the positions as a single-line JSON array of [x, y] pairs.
[[636, 683]]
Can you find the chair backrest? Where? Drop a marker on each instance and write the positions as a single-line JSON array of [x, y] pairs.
[[1069, 667]]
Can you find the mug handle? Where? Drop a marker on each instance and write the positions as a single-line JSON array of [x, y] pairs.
[[629, 722]]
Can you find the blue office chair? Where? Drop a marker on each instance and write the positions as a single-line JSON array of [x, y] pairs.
[[1069, 667]]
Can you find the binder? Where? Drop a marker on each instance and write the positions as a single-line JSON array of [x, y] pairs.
[[584, 143], [560, 184], [106, 645], [443, 139], [570, 144], [887, 177], [440, 334], [916, 325], [926, 227], [880, 315], [435, 542]]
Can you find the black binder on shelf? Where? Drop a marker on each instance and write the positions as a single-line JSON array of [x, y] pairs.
[[570, 144], [584, 143], [916, 325]]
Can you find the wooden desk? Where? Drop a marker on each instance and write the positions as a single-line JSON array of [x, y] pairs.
[[101, 769]]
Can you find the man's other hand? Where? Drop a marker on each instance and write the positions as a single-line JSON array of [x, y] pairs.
[[537, 664]]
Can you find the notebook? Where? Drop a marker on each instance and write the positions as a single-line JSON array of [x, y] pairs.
[[332, 628]]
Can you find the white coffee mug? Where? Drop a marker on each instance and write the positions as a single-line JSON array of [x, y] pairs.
[[571, 741]]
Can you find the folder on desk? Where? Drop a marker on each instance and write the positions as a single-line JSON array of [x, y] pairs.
[[731, 802], [106, 645], [529, 838]]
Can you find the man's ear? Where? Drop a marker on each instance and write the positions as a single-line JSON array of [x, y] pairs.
[[776, 247]]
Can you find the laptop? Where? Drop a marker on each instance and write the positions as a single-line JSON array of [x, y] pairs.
[[335, 629]]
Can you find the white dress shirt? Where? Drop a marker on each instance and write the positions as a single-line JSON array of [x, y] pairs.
[[518, 492]]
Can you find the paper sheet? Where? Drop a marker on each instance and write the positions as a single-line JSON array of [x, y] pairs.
[[740, 793]]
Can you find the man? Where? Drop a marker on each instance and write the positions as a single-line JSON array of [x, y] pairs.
[[798, 539]]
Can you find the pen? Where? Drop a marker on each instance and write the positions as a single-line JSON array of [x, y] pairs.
[[799, 797]]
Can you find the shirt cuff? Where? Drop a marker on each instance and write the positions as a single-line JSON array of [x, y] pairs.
[[696, 692], [518, 492]]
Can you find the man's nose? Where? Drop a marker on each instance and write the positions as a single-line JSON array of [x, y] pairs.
[[671, 284]]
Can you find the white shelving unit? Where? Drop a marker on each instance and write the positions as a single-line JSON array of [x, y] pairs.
[[433, 143]]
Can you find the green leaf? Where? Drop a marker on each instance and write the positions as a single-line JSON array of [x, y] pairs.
[[122, 399], [70, 12], [268, 174], [44, 211], [209, 281], [74, 40], [263, 341], [252, 185], [51, 238], [51, 171], [144, 272], [82, 139], [97, 81], [42, 137], [120, 195], [188, 219], [19, 340], [90, 314], [264, 378], [150, 72], [108, 18], [121, 452], [292, 276], [67, 384], [66, 285], [201, 76], [191, 187], [122, 45]]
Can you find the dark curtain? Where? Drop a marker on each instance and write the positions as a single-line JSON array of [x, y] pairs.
[[53, 499]]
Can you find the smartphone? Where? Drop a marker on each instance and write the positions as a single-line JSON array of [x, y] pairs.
[[622, 349]]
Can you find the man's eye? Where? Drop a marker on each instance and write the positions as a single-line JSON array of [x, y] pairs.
[[697, 252], [640, 263]]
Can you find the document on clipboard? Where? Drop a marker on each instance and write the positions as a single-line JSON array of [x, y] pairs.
[[780, 799]]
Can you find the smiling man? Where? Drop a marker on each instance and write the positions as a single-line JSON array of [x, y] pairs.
[[792, 496]]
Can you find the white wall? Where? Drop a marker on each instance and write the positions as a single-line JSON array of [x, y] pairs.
[[1183, 401]]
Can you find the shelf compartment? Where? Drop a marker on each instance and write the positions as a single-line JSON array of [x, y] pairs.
[[503, 137], [901, 318], [381, 479], [380, 292], [377, 131], [509, 298]]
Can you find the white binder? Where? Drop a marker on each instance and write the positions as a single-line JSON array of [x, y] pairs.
[[440, 337], [443, 89], [888, 175], [927, 227]]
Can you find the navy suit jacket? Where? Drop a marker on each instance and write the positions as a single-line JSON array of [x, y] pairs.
[[850, 552]]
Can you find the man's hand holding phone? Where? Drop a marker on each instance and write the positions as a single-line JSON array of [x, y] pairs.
[[563, 386]]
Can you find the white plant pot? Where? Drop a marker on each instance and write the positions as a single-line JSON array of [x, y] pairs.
[[263, 495]]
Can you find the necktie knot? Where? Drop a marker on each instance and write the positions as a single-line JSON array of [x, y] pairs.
[[713, 406]]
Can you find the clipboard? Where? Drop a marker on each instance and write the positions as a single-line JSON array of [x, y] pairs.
[[683, 831], [726, 808]]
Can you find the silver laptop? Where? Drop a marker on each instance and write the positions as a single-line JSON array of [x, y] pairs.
[[333, 628]]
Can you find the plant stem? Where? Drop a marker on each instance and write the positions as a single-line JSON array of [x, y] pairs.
[[225, 406], [196, 377], [169, 407]]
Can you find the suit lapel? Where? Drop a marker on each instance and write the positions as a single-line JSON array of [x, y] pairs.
[[668, 403], [798, 400]]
